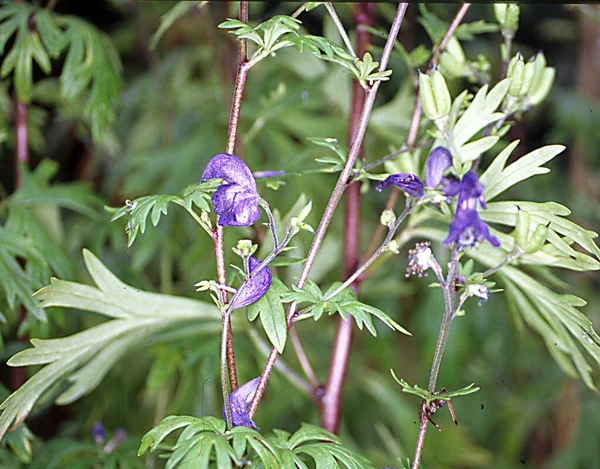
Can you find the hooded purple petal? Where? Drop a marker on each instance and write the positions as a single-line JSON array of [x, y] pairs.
[[255, 288], [467, 229], [438, 161], [450, 187], [409, 183], [239, 400], [236, 200], [231, 169], [471, 191]]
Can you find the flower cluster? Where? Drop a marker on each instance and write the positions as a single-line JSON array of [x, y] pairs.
[[467, 228], [236, 200]]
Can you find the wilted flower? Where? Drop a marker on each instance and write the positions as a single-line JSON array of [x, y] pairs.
[[438, 161], [236, 200], [409, 183], [255, 288], [480, 291], [239, 400], [419, 259]]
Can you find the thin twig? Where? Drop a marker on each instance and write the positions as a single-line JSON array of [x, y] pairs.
[[340, 27], [338, 191], [331, 401], [302, 7], [304, 362], [415, 121]]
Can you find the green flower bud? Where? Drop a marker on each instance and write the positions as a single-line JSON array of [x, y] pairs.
[[245, 248], [388, 218], [427, 96], [527, 78], [521, 231], [538, 239], [508, 17], [516, 73], [393, 247], [441, 93], [500, 12], [541, 87]]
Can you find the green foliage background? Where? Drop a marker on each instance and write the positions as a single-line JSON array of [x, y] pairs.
[[136, 121]]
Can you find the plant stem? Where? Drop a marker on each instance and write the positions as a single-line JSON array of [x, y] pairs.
[[342, 30], [448, 288], [224, 365], [415, 121], [218, 244], [331, 405], [21, 119], [300, 9], [304, 362], [370, 95]]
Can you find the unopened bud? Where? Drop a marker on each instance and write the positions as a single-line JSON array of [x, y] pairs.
[[393, 247], [388, 218], [245, 248]]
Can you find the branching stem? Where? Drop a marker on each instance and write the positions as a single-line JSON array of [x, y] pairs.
[[338, 191], [340, 27]]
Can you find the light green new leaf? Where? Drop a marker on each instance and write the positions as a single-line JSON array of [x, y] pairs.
[[480, 113], [83, 359], [496, 179]]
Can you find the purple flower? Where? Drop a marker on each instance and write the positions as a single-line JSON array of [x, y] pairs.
[[239, 400], [236, 200], [471, 192], [438, 161], [255, 288], [98, 433], [467, 229], [409, 183]]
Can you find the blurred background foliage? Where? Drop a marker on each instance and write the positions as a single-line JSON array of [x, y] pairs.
[[170, 116]]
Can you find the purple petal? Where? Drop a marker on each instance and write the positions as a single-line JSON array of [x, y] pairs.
[[231, 169], [471, 191], [239, 400], [409, 183], [467, 229], [450, 187], [98, 433], [235, 205], [255, 288], [438, 161]]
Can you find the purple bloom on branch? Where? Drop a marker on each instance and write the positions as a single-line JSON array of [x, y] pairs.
[[236, 200], [255, 288], [467, 229], [471, 192], [438, 161], [409, 183], [239, 400]]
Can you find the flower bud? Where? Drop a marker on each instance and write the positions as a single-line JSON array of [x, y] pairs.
[[537, 240], [480, 291], [388, 218], [441, 93], [521, 231], [508, 17], [516, 73], [541, 86], [245, 248], [393, 247]]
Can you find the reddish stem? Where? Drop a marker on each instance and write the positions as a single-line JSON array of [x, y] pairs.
[[21, 139], [363, 13]]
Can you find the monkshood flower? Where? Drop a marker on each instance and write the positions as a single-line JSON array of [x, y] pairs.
[[438, 161], [239, 401], [467, 228], [409, 183], [236, 200], [255, 288]]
